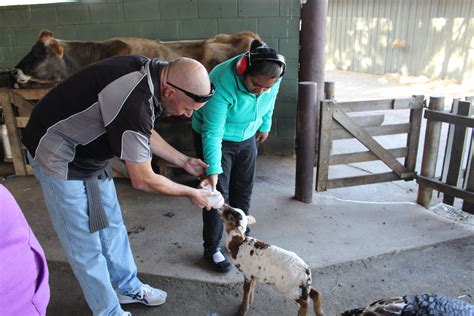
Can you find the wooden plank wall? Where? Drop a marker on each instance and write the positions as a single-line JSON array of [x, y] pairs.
[[410, 37]]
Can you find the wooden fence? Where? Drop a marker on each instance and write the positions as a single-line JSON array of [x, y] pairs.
[[336, 123], [17, 108], [454, 183]]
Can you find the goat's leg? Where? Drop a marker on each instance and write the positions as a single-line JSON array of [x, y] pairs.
[[244, 307], [303, 304], [318, 305], [252, 290]]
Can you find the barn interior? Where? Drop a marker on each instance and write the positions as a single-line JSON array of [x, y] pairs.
[[361, 242]]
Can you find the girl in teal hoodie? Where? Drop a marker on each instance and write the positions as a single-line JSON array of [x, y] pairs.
[[227, 130]]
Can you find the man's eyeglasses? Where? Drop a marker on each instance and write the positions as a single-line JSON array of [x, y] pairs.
[[195, 97]]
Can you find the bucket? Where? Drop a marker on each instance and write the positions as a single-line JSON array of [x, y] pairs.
[[6, 144]]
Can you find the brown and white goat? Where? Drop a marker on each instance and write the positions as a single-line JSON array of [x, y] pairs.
[[259, 261]]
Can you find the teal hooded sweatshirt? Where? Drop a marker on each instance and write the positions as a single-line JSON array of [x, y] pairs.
[[232, 114]]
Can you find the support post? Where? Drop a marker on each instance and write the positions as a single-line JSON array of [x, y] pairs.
[[456, 154], [311, 56], [430, 151], [469, 177], [329, 92], [413, 137], [305, 140], [13, 137]]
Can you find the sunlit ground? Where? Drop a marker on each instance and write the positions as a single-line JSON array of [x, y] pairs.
[[359, 86]]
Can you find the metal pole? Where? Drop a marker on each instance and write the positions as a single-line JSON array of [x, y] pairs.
[[312, 40], [311, 57], [430, 152], [305, 140]]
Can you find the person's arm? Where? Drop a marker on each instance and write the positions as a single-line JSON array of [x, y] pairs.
[[210, 180], [214, 115], [214, 120], [143, 178], [266, 125], [261, 137], [162, 149], [129, 136]]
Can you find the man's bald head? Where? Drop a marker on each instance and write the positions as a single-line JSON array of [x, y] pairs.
[[189, 74], [185, 87]]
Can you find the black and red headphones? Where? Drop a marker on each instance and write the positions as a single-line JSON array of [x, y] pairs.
[[244, 64]]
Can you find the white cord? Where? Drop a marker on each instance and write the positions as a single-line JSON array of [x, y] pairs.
[[367, 202]]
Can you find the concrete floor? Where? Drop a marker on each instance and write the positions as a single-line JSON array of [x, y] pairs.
[[342, 230], [446, 268], [361, 243]]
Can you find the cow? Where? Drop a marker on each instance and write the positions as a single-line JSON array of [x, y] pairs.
[[51, 60], [6, 78]]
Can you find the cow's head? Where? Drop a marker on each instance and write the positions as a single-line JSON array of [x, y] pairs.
[[44, 63]]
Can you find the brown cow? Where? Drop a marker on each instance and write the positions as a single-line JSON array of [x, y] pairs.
[[51, 60]]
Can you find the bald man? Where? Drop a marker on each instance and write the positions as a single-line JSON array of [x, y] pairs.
[[109, 109]]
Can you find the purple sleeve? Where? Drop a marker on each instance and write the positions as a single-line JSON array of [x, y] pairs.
[[24, 288]]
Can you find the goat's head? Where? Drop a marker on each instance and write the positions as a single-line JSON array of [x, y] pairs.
[[235, 219]]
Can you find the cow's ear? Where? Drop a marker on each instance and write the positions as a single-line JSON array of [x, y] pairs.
[[251, 220], [45, 36], [57, 49]]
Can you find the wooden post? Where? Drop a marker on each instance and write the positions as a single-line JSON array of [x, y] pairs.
[[15, 142], [413, 137], [329, 90], [305, 140], [430, 152], [456, 154], [469, 182], [449, 143], [327, 110], [469, 177]]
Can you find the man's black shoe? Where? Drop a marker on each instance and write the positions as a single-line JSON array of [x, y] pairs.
[[222, 267]]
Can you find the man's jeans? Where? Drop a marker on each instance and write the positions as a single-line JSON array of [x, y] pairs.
[[102, 261]]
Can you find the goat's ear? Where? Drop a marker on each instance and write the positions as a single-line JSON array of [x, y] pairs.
[[251, 220], [45, 36], [57, 49]]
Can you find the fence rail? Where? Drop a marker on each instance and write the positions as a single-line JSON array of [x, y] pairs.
[[336, 124], [449, 183], [17, 108]]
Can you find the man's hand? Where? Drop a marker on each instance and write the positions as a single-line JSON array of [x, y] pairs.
[[261, 137], [210, 180], [200, 198], [195, 166]]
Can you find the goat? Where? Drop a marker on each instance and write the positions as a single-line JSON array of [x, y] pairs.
[[259, 261]]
